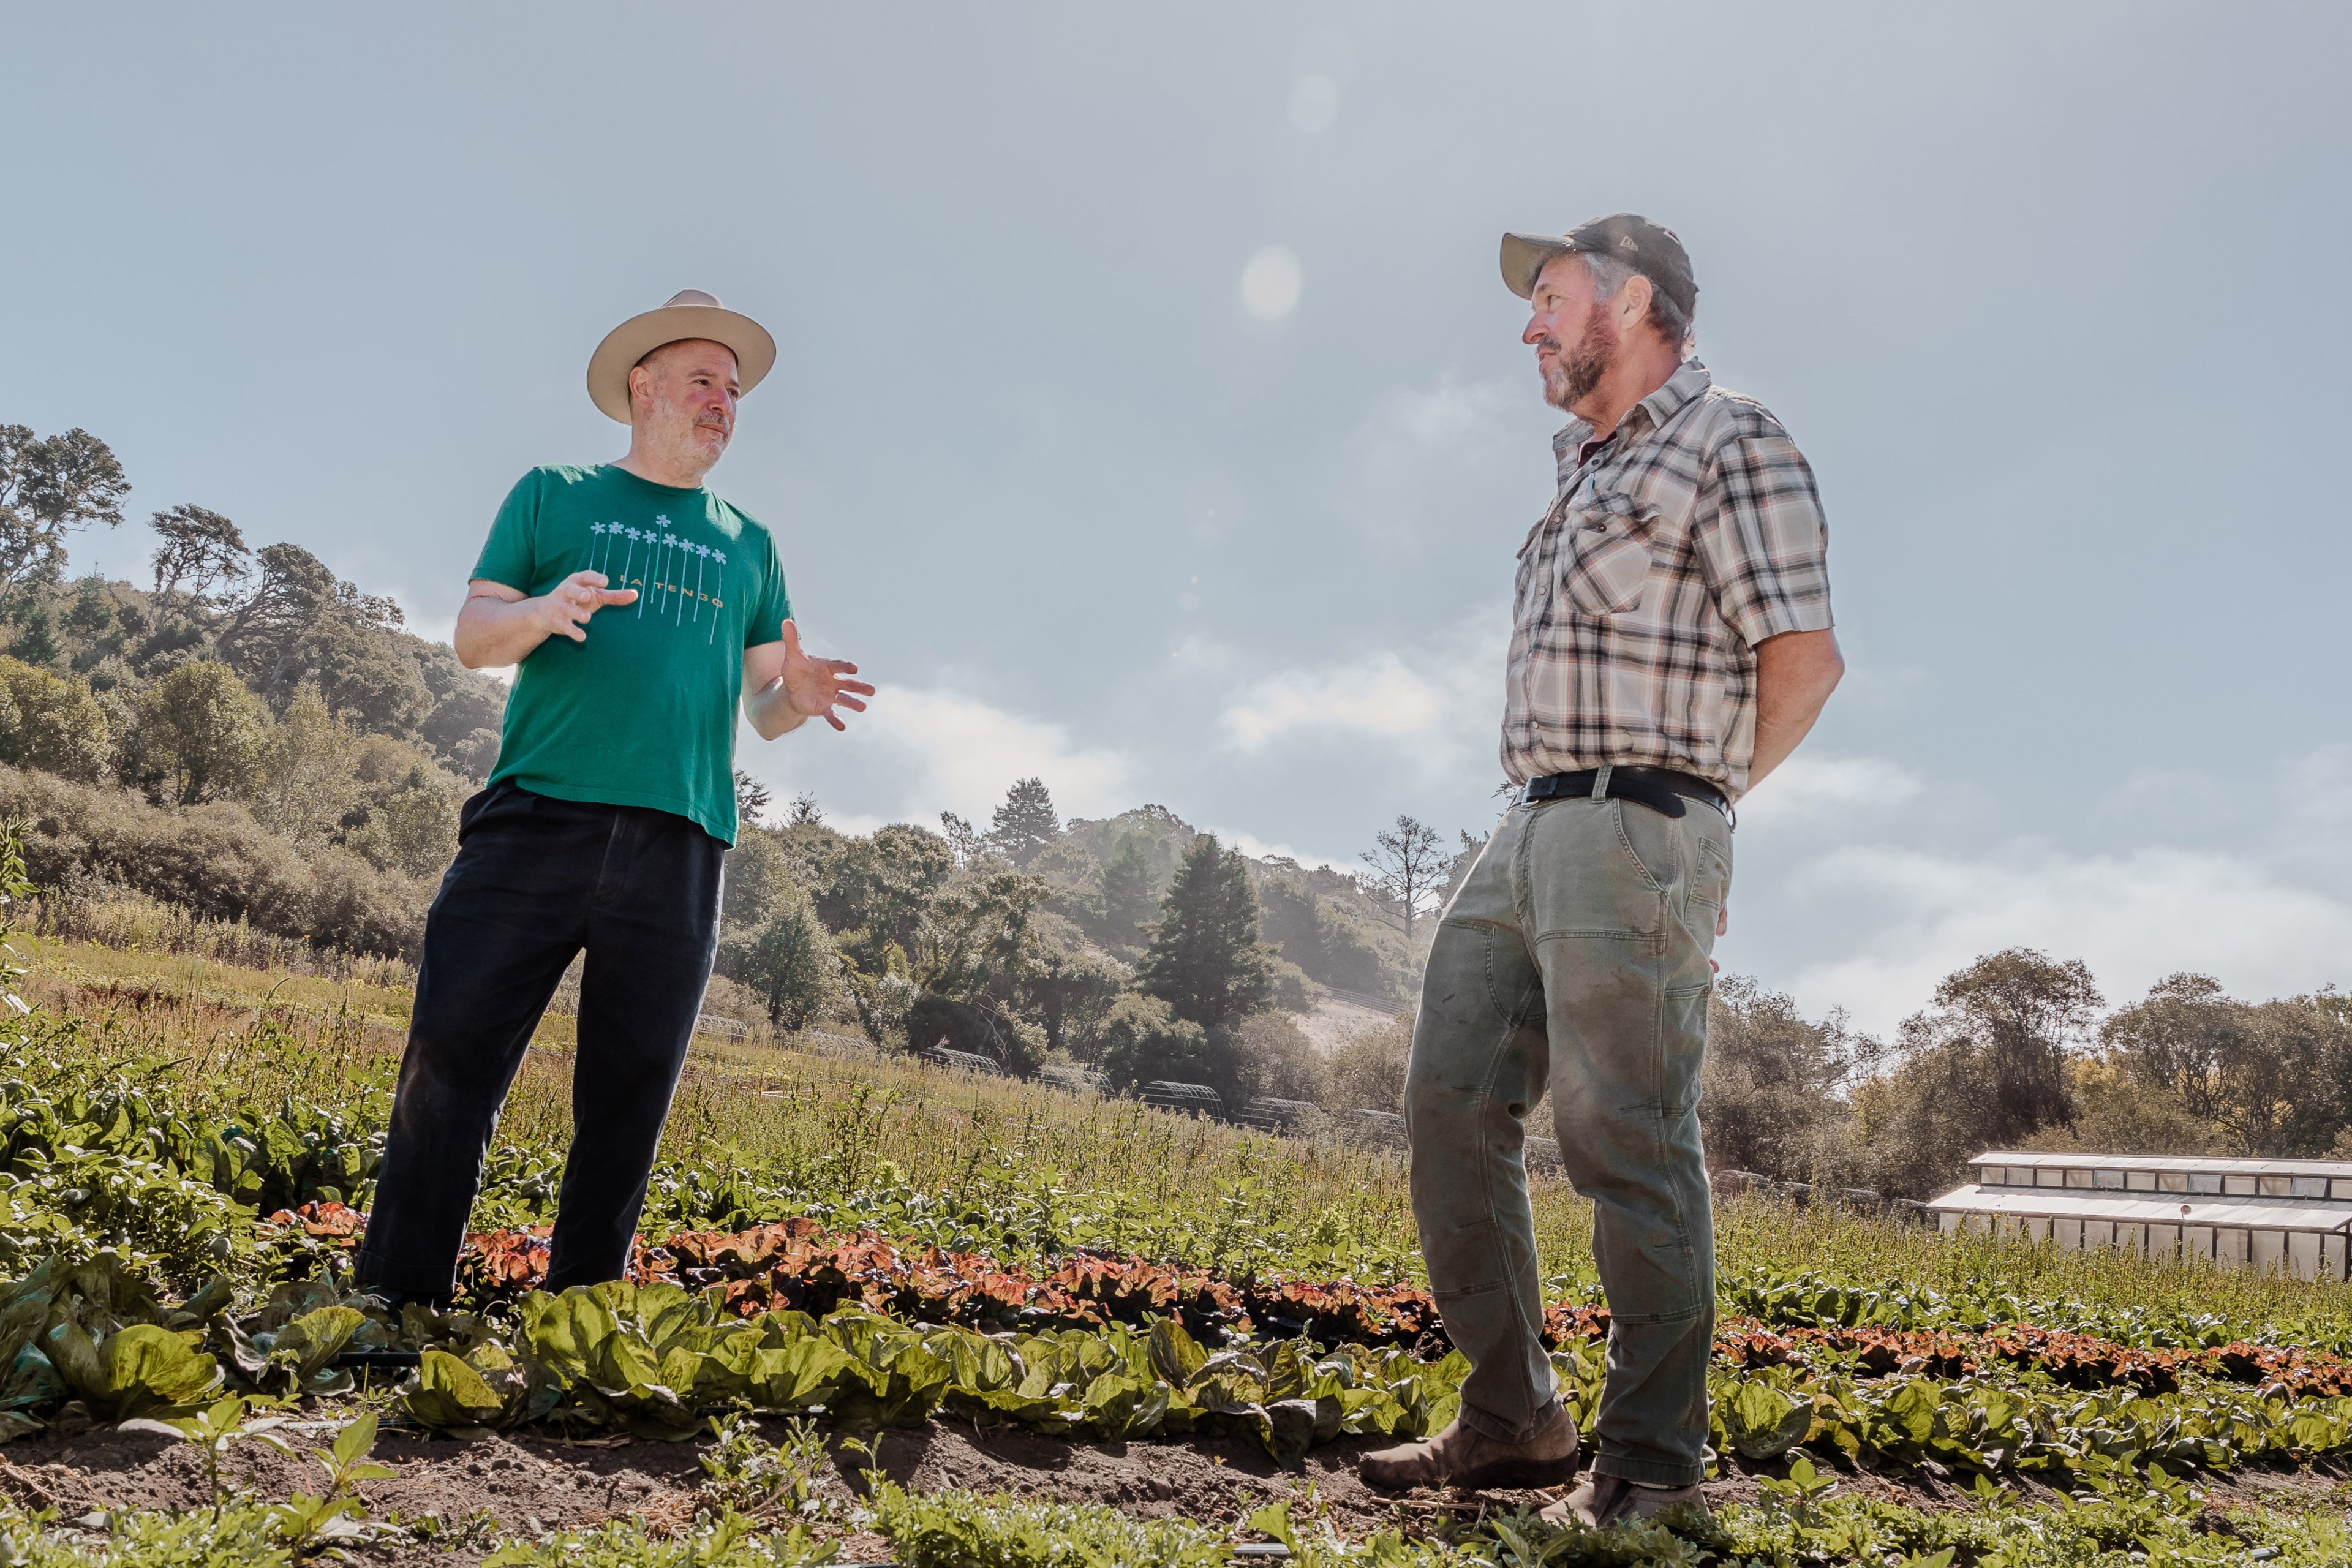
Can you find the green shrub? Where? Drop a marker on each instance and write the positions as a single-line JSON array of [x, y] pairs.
[[1140, 1039], [54, 725], [214, 860], [200, 733]]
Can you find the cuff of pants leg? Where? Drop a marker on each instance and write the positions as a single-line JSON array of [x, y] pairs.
[[1502, 1431], [1655, 1472]]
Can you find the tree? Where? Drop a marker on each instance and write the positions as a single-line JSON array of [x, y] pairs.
[[1407, 871], [35, 641], [362, 671], [1127, 900], [757, 883], [751, 797], [202, 550], [414, 831], [1206, 960], [201, 731], [792, 965], [93, 609], [804, 812], [2270, 1078], [1985, 1067], [1141, 1039], [49, 488], [308, 780], [1274, 1057], [1026, 823], [2023, 1016], [1773, 1087], [978, 940], [879, 895], [963, 839], [263, 634], [1069, 992], [2179, 1038], [1318, 937], [466, 704], [1367, 1070], [52, 724]]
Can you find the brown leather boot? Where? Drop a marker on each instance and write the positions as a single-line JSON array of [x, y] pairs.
[[1461, 1456], [1605, 1500]]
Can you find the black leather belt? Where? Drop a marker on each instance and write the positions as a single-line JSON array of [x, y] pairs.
[[1660, 789]]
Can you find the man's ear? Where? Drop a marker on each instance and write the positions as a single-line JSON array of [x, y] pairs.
[[636, 385], [1633, 303]]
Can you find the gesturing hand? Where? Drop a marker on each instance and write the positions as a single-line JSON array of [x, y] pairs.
[[815, 686], [571, 602]]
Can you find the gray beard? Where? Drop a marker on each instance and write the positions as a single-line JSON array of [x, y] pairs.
[[1574, 375]]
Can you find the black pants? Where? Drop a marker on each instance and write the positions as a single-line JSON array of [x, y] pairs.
[[536, 879]]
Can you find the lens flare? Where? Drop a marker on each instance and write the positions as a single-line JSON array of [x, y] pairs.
[[1270, 284]]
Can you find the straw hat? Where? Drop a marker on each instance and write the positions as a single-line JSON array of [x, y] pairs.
[[688, 313]]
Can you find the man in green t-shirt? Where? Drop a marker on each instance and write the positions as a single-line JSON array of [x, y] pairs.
[[613, 803]]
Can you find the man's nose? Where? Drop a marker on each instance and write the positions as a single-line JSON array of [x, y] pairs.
[[1534, 332]]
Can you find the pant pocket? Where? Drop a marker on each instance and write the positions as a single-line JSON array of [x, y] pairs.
[[1682, 1049]]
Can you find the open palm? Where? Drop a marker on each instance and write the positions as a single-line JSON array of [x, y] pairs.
[[817, 686]]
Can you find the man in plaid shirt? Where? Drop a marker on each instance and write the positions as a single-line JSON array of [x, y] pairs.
[[1671, 645]]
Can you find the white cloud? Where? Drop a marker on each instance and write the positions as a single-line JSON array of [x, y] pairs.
[[951, 752], [1250, 844], [1437, 704], [1809, 791], [2134, 917], [1380, 697]]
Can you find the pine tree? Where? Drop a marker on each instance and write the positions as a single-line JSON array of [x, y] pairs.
[[1126, 893], [751, 797], [1206, 960], [1026, 823]]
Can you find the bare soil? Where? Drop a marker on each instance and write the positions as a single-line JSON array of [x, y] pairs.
[[528, 1484]]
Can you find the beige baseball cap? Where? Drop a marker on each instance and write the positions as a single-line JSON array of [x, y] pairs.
[[688, 313]]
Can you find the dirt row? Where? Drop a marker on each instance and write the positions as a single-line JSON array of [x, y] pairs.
[[528, 1484]]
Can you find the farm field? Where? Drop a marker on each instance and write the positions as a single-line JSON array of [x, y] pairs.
[[890, 1314]]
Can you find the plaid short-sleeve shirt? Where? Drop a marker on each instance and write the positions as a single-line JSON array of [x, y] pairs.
[[1695, 534]]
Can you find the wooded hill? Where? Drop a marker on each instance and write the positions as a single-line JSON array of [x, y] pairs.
[[250, 737]]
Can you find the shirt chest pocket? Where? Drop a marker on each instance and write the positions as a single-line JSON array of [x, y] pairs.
[[1607, 560]]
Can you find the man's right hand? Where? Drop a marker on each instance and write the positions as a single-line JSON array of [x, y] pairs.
[[570, 603], [498, 627]]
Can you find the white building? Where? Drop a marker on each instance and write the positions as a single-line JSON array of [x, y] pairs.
[[2289, 1214]]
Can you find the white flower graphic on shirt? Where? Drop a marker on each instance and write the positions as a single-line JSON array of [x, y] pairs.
[[661, 578]]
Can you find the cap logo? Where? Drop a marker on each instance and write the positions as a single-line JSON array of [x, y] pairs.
[[1626, 241]]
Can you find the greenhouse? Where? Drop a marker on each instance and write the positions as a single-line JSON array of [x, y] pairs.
[[2290, 1216]]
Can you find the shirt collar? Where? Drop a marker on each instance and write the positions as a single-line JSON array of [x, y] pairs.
[[1689, 381]]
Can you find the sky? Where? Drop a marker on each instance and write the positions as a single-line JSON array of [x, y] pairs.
[[1151, 416]]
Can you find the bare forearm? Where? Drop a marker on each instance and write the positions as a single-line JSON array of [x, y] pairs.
[[493, 633], [1795, 674], [771, 711]]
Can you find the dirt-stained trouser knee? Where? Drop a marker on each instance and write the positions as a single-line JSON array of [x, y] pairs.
[[1576, 950]]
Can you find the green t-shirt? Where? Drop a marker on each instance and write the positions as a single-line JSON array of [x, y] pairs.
[[643, 713]]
